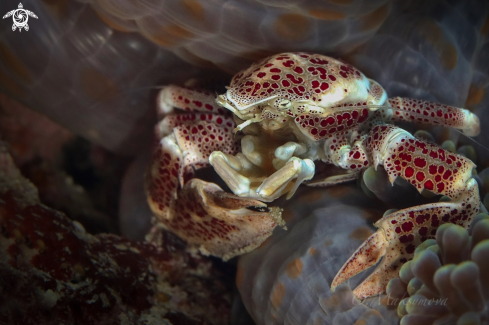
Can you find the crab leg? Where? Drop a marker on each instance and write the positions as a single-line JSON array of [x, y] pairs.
[[422, 111], [192, 100], [200, 212], [338, 150], [425, 166]]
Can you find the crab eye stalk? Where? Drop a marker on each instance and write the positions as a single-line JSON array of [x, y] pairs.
[[284, 104]]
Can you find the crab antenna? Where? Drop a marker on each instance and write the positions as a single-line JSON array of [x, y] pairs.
[[472, 139]]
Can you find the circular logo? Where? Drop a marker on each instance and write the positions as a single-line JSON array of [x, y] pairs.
[[20, 17]]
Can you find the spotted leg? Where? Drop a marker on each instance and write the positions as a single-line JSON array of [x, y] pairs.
[[191, 100], [200, 212], [422, 111], [425, 166], [341, 148]]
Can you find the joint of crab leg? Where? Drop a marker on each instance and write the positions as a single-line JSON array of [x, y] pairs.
[[246, 165], [273, 186], [386, 138], [227, 166], [306, 173], [342, 156], [286, 151]]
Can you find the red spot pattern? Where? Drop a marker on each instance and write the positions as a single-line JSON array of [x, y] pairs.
[[198, 135], [423, 164], [314, 73], [172, 121], [163, 178], [333, 125], [191, 100], [406, 229], [417, 110]]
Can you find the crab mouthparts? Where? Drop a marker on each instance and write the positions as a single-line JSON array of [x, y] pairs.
[[247, 122]]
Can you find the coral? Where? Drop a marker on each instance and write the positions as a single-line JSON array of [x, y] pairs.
[[53, 271], [447, 281]]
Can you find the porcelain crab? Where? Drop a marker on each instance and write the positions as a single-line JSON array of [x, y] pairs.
[[279, 120]]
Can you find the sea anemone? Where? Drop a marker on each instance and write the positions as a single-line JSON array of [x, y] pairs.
[[447, 281]]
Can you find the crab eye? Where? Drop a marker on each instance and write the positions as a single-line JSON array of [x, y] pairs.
[[284, 104]]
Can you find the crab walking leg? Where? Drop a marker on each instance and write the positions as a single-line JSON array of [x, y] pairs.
[[421, 111], [192, 100], [425, 166]]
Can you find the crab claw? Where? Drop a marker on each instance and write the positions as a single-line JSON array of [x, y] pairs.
[[398, 236], [200, 212], [218, 223], [426, 166], [368, 254]]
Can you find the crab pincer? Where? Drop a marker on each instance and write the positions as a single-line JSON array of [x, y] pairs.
[[425, 166], [208, 218]]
